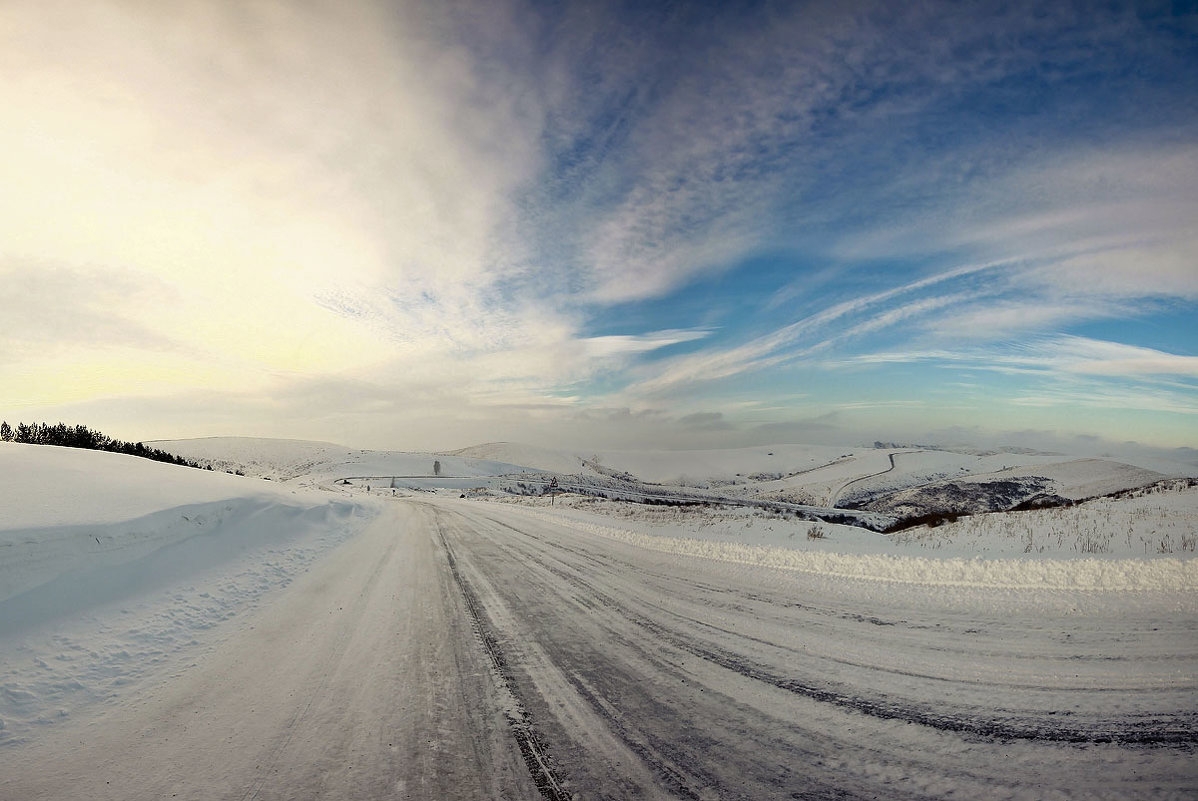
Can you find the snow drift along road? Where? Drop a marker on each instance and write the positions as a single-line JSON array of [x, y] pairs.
[[85, 527], [451, 649], [114, 569]]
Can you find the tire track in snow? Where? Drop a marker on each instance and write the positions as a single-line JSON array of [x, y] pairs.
[[1181, 731], [671, 764], [532, 744], [266, 768]]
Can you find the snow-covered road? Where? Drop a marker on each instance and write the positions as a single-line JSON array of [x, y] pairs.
[[467, 650], [651, 675], [361, 680]]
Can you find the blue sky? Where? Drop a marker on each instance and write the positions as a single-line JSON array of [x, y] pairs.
[[424, 225]]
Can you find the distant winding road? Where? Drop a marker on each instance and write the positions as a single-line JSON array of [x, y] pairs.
[[834, 496]]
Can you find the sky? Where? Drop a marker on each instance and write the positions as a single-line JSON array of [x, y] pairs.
[[415, 225]]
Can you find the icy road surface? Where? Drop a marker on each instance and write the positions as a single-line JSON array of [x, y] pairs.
[[458, 650]]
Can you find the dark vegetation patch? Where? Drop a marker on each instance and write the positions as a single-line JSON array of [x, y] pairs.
[[1042, 500], [961, 497], [78, 436]]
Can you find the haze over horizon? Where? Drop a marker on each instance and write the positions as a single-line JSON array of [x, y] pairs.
[[428, 225]]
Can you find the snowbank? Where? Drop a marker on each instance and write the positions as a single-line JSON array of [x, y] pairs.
[[870, 557], [113, 567], [43, 486], [1082, 478], [79, 528]]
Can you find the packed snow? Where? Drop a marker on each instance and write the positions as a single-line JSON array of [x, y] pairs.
[[129, 588]]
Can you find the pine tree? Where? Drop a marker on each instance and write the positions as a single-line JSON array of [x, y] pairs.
[[78, 436]]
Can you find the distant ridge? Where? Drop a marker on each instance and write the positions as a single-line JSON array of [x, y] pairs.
[[548, 459], [315, 462]]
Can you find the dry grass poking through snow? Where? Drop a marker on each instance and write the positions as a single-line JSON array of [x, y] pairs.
[[1161, 521], [1141, 524]]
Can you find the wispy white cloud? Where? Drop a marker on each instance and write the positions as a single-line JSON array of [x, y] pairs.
[[1097, 357], [354, 212], [736, 159], [1058, 354], [48, 309], [608, 346], [1107, 398], [811, 335], [992, 319], [1074, 261], [289, 190], [1097, 222]]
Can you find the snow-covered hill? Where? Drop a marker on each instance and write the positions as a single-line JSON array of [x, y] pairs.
[[529, 456], [908, 482], [152, 554], [683, 467], [1010, 488], [315, 462], [1132, 535]]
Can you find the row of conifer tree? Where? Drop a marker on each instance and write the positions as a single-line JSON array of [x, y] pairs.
[[83, 437]]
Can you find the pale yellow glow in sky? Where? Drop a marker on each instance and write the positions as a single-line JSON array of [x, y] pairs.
[[121, 372], [209, 178], [421, 224]]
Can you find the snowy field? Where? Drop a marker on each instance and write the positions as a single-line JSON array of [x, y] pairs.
[[171, 632]]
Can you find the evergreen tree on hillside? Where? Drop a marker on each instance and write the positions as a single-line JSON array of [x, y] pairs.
[[83, 437], [5, 432]]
